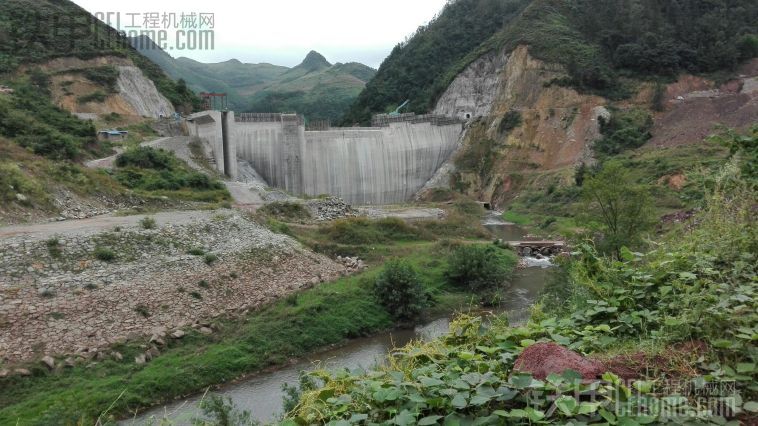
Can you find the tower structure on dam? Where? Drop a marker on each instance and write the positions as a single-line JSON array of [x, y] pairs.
[[386, 163]]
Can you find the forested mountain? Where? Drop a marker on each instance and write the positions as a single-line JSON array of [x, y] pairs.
[[597, 41], [315, 88]]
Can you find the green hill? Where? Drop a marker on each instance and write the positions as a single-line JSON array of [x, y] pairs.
[[598, 42], [315, 88]]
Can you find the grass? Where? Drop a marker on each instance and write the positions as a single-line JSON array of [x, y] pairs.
[[148, 223], [104, 254], [517, 218], [292, 327]]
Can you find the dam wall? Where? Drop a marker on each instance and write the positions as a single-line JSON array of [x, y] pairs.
[[366, 165]]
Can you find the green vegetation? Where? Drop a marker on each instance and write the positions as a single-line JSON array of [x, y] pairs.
[[28, 118], [104, 253], [419, 69], [324, 315], [54, 247], [210, 258], [517, 218], [157, 171], [148, 222], [482, 270], [400, 290], [96, 96], [286, 211], [13, 181], [624, 209], [647, 313], [601, 45], [36, 31], [625, 130], [510, 121], [106, 76]]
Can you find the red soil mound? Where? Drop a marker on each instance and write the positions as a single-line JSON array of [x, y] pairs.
[[542, 359]]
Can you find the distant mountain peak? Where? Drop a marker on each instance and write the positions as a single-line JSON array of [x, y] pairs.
[[314, 61]]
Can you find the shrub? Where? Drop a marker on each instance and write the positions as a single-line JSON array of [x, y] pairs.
[[624, 130], [196, 252], [106, 76], [510, 121], [203, 284], [144, 157], [399, 289], [285, 210], [96, 96], [479, 268], [105, 254], [148, 222], [210, 258], [54, 247], [142, 310], [196, 295]]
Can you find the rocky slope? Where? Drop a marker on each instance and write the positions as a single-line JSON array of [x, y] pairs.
[[523, 128], [58, 298], [133, 94]]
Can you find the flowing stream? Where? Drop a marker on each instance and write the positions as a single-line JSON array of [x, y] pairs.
[[262, 394]]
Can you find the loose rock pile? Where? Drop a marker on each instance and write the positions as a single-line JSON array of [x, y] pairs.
[[329, 208], [353, 264], [64, 301]]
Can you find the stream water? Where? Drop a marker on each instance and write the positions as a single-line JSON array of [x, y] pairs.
[[261, 394]]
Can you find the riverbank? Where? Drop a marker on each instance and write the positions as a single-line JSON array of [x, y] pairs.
[[302, 323]]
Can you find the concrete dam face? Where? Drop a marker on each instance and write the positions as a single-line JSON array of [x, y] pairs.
[[384, 164]]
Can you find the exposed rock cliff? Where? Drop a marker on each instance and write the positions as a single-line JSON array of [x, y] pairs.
[[521, 123], [133, 94]]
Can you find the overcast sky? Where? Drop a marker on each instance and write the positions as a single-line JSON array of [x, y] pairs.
[[283, 32]]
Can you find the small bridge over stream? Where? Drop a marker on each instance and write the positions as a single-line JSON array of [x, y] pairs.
[[545, 247]]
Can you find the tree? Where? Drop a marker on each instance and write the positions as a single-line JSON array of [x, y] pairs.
[[398, 288], [623, 207], [482, 269]]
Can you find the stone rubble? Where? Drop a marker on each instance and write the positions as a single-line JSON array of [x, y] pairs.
[[330, 208], [57, 299]]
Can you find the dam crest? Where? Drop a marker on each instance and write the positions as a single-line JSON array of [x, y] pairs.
[[383, 164]]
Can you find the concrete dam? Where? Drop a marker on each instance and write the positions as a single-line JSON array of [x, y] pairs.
[[383, 164]]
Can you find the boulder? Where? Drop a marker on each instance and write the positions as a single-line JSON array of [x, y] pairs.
[[543, 359], [206, 330], [49, 361], [22, 372], [140, 359], [178, 334]]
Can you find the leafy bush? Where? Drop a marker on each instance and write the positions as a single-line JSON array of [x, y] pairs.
[[148, 222], [510, 121], [105, 254], [54, 247], [210, 258], [625, 130], [145, 157], [482, 269], [150, 169], [399, 289], [196, 252]]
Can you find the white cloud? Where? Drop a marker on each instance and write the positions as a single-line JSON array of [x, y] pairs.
[[284, 32]]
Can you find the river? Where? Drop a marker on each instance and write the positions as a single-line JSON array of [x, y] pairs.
[[262, 394]]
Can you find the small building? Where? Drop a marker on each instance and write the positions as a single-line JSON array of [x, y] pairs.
[[112, 135]]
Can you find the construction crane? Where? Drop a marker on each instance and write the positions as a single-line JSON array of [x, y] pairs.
[[396, 112]]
